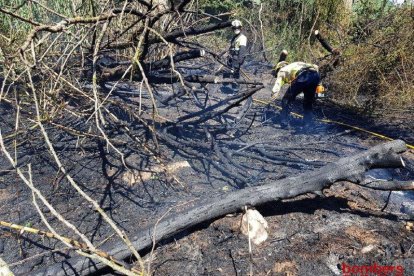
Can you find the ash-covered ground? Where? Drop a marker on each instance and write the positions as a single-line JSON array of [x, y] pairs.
[[307, 235]]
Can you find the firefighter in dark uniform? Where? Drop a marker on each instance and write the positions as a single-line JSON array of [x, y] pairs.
[[237, 49]]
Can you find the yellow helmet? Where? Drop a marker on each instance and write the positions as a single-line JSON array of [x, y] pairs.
[[280, 65]]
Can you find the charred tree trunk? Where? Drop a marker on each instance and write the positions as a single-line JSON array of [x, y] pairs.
[[166, 62], [171, 37], [348, 168], [325, 44], [112, 74], [114, 71], [169, 78], [215, 79], [219, 108], [394, 185]]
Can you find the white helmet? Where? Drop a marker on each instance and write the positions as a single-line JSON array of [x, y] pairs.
[[236, 24]]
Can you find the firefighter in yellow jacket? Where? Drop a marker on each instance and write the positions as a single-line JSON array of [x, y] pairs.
[[301, 77]]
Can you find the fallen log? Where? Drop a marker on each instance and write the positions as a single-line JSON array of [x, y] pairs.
[[345, 169], [172, 36], [215, 79], [166, 62], [191, 31], [112, 74], [170, 78], [112, 70], [218, 108]]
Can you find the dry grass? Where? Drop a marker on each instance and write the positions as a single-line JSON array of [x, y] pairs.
[[288, 268], [377, 71], [363, 236], [133, 177]]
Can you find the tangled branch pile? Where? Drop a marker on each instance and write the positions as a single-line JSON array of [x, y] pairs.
[[63, 91]]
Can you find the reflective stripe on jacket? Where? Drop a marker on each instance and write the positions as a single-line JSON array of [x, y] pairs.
[[238, 51], [238, 41], [289, 73]]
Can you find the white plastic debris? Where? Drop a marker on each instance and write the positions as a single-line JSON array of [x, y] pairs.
[[331, 262], [256, 229], [4, 269], [367, 248]]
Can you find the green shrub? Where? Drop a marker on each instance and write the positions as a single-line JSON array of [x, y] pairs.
[[377, 70]]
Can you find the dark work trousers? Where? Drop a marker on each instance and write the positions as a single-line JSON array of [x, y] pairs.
[[236, 74], [305, 82], [234, 64]]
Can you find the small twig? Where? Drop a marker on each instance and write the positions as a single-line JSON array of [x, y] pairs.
[[387, 202], [262, 33]]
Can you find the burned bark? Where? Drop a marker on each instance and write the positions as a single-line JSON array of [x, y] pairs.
[[325, 44], [394, 185], [111, 70], [166, 62], [170, 78], [191, 31], [345, 169], [174, 35], [111, 74], [219, 108]]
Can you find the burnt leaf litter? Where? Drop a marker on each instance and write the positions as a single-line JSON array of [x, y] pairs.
[[209, 156]]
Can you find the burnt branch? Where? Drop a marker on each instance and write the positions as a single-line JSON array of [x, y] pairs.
[[348, 168]]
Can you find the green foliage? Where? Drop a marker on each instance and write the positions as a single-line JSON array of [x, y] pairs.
[[286, 24], [294, 21], [13, 31], [14, 28], [219, 6], [371, 9], [365, 13], [376, 72]]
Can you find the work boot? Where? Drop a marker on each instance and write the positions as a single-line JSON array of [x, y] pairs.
[[284, 119], [284, 125], [308, 119], [308, 123], [235, 86]]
